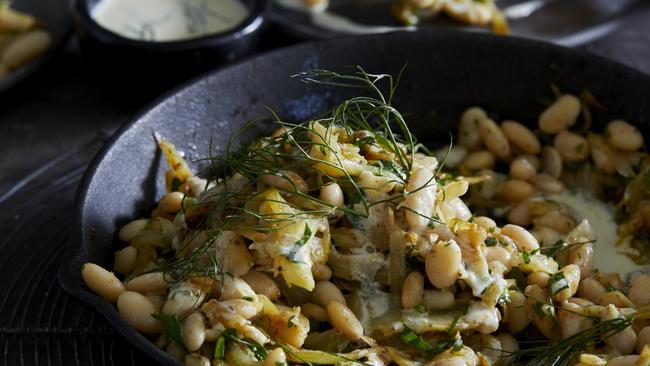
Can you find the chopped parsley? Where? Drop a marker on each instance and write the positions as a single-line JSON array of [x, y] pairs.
[[490, 241], [527, 255], [291, 255]]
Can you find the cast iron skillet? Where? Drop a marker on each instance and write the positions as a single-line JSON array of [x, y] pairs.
[[446, 72]]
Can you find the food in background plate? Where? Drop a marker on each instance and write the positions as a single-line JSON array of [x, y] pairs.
[[411, 12], [22, 39], [342, 240]]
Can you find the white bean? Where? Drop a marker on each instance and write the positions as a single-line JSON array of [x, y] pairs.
[[551, 162], [102, 282], [444, 264], [601, 153], [421, 196], [616, 298], [564, 286], [521, 136], [591, 290], [624, 341], [548, 184], [643, 338], [261, 283], [517, 317], [332, 194], [193, 332], [546, 236], [494, 138], [344, 320], [560, 115], [321, 272], [639, 290], [524, 240], [325, 292], [555, 220], [538, 278], [275, 357], [195, 359], [314, 312], [286, 180], [468, 133], [583, 256], [171, 203], [571, 146], [522, 168], [25, 48], [624, 136], [438, 299], [515, 190], [148, 283], [509, 345], [478, 160], [485, 222], [412, 289], [538, 299], [498, 254], [630, 360], [136, 309], [520, 214], [130, 230], [571, 321], [125, 260]]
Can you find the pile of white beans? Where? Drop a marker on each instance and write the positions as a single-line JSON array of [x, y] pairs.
[[462, 261], [21, 40]]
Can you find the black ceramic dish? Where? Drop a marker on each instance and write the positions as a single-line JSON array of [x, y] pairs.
[[446, 73], [118, 59], [55, 14]]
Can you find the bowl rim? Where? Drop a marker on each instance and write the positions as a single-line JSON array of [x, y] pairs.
[[252, 23], [70, 277]]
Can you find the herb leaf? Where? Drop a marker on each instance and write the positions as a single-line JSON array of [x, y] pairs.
[[557, 282], [171, 326], [258, 350], [412, 339], [220, 348]]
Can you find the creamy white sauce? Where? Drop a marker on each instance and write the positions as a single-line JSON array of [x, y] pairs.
[[337, 23], [168, 20], [608, 257]]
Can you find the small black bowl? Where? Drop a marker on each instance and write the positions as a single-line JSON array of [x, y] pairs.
[[152, 65]]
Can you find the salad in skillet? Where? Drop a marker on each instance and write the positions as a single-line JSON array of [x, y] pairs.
[[342, 240]]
